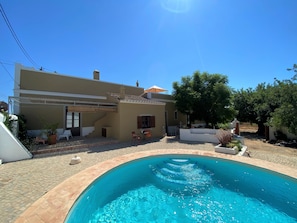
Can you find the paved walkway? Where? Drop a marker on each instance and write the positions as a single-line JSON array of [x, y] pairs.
[[24, 182]]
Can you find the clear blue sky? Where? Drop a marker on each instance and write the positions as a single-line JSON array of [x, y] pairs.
[[153, 41]]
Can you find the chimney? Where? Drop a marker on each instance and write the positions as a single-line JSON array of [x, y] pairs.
[[122, 92], [96, 75]]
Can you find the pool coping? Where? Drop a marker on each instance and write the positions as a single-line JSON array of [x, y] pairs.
[[55, 204]]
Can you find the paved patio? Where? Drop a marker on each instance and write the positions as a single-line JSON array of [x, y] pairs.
[[22, 183]]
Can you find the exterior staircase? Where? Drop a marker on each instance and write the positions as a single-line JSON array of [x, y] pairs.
[[73, 145]]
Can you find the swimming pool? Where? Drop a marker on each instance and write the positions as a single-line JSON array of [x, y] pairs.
[[185, 188]]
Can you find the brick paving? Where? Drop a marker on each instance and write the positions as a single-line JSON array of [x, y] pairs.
[[24, 182]]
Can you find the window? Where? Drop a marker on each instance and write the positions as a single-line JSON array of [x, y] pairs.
[[175, 115], [145, 122]]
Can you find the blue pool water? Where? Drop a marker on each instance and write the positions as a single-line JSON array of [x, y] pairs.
[[187, 189]]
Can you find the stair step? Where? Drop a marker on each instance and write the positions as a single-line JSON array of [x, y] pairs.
[[179, 161], [171, 180], [171, 174], [182, 172], [173, 166]]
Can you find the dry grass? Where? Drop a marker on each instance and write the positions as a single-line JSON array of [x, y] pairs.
[[247, 127]]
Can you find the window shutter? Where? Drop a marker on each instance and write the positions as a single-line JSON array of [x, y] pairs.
[[152, 121], [139, 122]]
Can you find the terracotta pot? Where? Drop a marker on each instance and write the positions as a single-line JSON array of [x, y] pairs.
[[52, 139]]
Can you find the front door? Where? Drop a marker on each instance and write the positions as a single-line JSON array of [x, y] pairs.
[[73, 122]]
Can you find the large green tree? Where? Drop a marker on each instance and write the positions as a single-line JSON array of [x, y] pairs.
[[244, 105], [285, 115], [256, 106], [204, 96], [274, 104], [184, 95], [266, 100]]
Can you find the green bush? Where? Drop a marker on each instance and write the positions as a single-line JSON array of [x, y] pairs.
[[233, 143]]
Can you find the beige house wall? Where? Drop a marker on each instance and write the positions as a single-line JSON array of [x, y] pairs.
[[110, 122], [38, 116], [171, 120], [128, 119], [170, 109], [119, 125], [89, 118], [164, 97], [42, 81], [41, 115]]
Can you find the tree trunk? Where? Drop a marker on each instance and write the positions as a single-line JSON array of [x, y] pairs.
[[261, 129]]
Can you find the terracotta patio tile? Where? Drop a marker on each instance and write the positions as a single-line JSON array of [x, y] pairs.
[[55, 205]]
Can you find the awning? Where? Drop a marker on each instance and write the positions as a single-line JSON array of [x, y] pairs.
[[91, 108], [73, 105]]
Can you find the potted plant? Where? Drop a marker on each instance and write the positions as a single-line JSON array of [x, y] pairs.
[[227, 143], [51, 130]]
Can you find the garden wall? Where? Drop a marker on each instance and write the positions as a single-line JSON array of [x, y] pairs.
[[199, 135]]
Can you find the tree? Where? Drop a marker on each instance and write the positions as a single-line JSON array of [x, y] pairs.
[[264, 104], [270, 104], [294, 69], [204, 97], [185, 97], [243, 104], [257, 106], [286, 114]]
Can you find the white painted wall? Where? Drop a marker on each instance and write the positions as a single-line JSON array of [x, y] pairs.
[[87, 130], [199, 135], [272, 130], [11, 149]]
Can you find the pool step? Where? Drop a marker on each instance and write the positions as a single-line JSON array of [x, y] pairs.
[[180, 161], [182, 172]]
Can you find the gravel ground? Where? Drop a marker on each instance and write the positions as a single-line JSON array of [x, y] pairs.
[[260, 149], [23, 182]]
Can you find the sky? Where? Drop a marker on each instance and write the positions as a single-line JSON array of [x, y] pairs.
[[154, 42]]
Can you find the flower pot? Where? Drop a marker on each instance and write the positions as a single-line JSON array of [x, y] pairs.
[[52, 139], [220, 149]]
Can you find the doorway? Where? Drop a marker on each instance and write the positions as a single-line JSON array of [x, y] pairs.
[[73, 122]]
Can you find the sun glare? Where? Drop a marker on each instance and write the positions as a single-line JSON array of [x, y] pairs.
[[176, 6]]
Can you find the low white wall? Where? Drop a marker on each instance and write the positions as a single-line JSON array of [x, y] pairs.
[[87, 130], [226, 150], [203, 131], [33, 133], [11, 149], [199, 135], [42, 133], [272, 130]]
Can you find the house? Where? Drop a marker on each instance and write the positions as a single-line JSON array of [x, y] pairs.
[[90, 107]]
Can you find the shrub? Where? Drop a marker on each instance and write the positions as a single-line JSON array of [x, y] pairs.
[[224, 137], [233, 143], [7, 121], [224, 126]]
